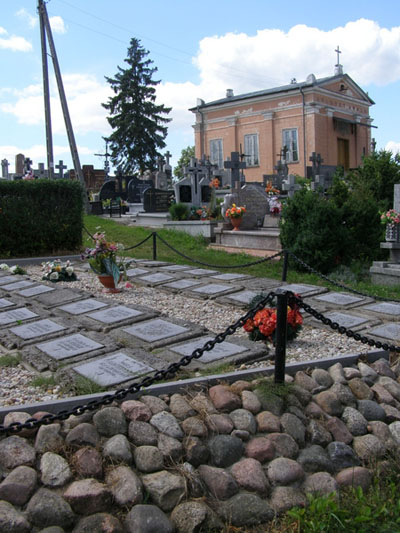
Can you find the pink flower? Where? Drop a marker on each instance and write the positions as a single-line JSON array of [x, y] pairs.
[[128, 285]]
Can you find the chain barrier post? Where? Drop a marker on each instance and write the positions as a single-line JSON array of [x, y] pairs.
[[280, 338], [154, 246], [285, 265]]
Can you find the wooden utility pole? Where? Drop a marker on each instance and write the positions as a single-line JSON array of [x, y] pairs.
[[44, 21]]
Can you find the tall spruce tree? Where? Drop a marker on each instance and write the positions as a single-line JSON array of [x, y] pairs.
[[138, 123]]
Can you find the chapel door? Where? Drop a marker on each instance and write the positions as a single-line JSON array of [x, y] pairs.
[[343, 153]]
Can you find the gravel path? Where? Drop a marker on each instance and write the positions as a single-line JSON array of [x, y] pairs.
[[311, 343]]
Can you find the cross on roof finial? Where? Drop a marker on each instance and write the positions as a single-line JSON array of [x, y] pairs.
[[338, 52]]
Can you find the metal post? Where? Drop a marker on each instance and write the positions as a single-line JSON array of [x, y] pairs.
[[154, 246], [285, 265], [280, 345]]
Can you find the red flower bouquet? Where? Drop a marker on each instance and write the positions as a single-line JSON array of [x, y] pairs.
[[262, 327]]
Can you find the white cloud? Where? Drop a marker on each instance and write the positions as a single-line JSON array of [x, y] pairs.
[[57, 24], [393, 146], [14, 43], [84, 98], [32, 21]]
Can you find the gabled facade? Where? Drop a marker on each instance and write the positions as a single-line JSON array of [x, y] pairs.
[[329, 116]]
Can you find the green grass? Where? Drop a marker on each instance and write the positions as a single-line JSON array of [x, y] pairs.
[[44, 382], [197, 249], [10, 360]]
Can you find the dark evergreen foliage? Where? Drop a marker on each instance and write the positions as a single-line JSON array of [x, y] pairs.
[[138, 123]]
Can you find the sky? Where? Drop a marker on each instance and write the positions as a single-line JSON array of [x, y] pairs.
[[199, 48]]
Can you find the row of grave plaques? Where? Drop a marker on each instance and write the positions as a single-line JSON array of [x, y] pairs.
[[52, 325]]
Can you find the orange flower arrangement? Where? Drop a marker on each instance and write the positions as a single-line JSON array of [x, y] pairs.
[[262, 326], [214, 183], [235, 212], [270, 189]]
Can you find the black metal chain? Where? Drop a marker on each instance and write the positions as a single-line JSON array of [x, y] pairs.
[[263, 260], [158, 375], [336, 283], [342, 329]]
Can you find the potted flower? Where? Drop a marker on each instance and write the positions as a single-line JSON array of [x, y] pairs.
[[56, 271], [391, 219], [262, 327], [103, 260], [235, 213]]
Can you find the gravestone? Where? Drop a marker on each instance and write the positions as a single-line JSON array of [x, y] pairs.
[[69, 346], [131, 272], [389, 332], [181, 284], [339, 298], [160, 181], [61, 167], [34, 291], [136, 189], [255, 200], [16, 315], [384, 308], [5, 303], [16, 285], [303, 289], [220, 350], [242, 298], [4, 280], [4, 168], [112, 369], [199, 272], [155, 279], [115, 314], [156, 200], [348, 321], [211, 290], [82, 306], [236, 166], [290, 186], [36, 329], [175, 268], [155, 330]]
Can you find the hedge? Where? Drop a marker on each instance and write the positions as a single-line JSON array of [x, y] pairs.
[[40, 217]]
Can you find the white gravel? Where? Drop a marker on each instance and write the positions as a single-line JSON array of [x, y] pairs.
[[311, 343]]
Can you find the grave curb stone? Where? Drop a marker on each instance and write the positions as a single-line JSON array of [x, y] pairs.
[[92, 321]]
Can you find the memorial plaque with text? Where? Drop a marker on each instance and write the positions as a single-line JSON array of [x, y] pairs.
[[136, 272], [82, 306], [243, 297], [181, 284], [175, 268], [389, 332], [5, 303], [17, 285], [339, 298], [220, 350], [386, 308], [36, 329], [303, 290], [7, 279], [212, 289], [155, 278], [113, 369], [70, 346], [34, 291], [230, 277], [155, 330], [200, 272], [8, 317], [348, 321], [115, 314]]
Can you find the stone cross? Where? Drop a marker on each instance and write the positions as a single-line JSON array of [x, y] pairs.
[[235, 165], [4, 168], [373, 145], [194, 170], [396, 197], [41, 171], [316, 161], [290, 185], [27, 164], [61, 168]]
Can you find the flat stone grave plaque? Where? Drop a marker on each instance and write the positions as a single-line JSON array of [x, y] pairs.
[[181, 284], [157, 332], [82, 306], [175, 268], [155, 279], [348, 321], [112, 369], [241, 297], [136, 272], [263, 284], [8, 317], [59, 296], [5, 303], [200, 272], [339, 298], [151, 263], [221, 350], [115, 314], [7, 279], [17, 285], [385, 308], [304, 290], [36, 329], [69, 346], [390, 332], [230, 277], [213, 289], [34, 291]]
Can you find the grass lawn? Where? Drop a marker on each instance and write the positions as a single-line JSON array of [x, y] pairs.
[[197, 249]]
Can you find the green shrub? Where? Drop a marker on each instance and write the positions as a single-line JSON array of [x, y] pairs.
[[311, 228], [179, 211], [40, 217]]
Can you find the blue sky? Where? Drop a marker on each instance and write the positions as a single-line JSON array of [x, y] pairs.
[[200, 50]]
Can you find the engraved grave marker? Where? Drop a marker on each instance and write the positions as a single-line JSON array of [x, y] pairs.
[[69, 346], [36, 329]]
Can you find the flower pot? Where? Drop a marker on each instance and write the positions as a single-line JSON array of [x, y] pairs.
[[392, 233], [108, 283], [236, 223]]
